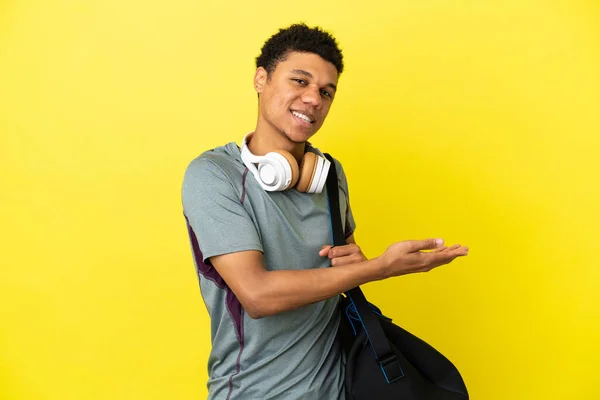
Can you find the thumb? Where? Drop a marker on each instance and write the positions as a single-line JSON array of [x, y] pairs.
[[427, 244]]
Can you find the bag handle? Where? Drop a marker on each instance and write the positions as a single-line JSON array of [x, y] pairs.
[[385, 356]]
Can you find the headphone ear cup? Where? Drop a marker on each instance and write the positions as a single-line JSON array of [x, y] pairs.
[[307, 172], [293, 165]]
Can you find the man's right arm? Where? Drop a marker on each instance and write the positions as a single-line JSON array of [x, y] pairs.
[[263, 293]]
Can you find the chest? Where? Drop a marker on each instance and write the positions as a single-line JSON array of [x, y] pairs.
[[292, 226]]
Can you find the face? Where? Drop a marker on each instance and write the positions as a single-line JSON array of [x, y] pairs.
[[295, 99]]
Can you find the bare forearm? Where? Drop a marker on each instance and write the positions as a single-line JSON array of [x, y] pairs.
[[289, 289]]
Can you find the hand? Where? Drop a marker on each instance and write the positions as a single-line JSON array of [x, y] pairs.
[[407, 257], [343, 255]]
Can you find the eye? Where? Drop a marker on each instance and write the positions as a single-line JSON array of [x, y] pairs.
[[326, 93], [300, 81]]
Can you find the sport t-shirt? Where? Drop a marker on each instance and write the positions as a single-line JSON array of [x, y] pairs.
[[291, 355]]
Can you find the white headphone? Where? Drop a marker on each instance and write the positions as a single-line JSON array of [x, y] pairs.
[[278, 170]]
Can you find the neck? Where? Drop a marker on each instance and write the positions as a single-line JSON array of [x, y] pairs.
[[267, 138]]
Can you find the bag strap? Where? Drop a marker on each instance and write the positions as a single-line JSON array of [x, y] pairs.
[[384, 354]]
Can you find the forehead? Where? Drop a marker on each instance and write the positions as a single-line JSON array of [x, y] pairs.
[[309, 62]]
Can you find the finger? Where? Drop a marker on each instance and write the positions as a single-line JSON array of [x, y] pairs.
[[451, 248], [325, 250], [440, 249], [346, 260], [342, 251], [446, 256], [458, 250], [446, 249], [461, 251], [427, 244]]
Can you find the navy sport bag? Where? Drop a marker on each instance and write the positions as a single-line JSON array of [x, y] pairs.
[[384, 361]]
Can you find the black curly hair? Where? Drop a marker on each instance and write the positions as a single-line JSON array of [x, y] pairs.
[[301, 38]]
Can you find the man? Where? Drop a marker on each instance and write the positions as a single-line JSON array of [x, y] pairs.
[[267, 274]]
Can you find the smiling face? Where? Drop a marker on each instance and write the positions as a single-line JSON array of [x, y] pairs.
[[295, 98]]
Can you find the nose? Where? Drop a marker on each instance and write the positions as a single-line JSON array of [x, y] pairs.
[[312, 96]]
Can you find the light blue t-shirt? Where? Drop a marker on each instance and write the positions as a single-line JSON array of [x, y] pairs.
[[291, 355]]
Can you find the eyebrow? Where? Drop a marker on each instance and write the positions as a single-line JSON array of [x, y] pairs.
[[308, 74]]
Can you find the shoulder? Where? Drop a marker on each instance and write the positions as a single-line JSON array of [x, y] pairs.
[[218, 164], [339, 168]]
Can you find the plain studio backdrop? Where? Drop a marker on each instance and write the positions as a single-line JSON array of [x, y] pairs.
[[474, 121]]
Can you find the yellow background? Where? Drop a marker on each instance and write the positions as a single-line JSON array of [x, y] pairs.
[[475, 121]]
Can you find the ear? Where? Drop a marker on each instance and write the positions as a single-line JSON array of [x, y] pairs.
[[260, 79]]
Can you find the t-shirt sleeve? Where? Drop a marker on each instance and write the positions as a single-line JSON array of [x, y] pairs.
[[214, 211], [350, 225]]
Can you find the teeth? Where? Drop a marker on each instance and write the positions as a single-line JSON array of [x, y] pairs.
[[302, 116]]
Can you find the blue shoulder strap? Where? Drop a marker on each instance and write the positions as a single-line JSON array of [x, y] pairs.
[[384, 354]]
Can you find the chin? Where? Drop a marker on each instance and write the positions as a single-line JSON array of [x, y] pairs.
[[298, 137]]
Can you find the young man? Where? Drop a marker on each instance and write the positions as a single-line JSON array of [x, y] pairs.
[[268, 277]]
